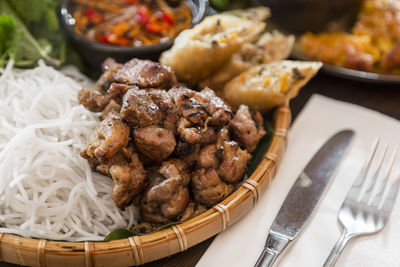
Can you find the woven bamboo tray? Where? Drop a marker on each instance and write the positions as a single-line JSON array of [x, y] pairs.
[[138, 250]]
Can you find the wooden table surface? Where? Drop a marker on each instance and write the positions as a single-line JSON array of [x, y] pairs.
[[380, 97]]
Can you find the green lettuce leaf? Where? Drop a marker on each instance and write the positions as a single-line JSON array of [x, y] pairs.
[[262, 148], [122, 233], [7, 33], [35, 34]]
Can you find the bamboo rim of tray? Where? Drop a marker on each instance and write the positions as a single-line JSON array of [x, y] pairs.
[[138, 250]]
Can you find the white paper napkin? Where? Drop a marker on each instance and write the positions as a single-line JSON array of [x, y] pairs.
[[242, 243]]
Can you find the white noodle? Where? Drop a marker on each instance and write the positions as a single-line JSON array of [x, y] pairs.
[[46, 189]]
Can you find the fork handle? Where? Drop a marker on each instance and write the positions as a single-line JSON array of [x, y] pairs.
[[337, 249]]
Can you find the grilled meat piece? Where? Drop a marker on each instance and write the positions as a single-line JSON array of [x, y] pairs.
[[150, 211], [110, 69], [155, 178], [112, 109], [247, 128], [155, 143], [129, 181], [211, 155], [208, 136], [167, 195], [122, 157], [234, 162], [190, 104], [187, 152], [146, 73], [207, 187], [223, 135], [221, 117], [220, 112], [175, 167], [169, 121], [195, 108], [192, 210], [154, 217], [181, 95], [93, 99], [258, 119], [226, 157], [116, 91], [109, 136], [164, 101], [208, 157], [171, 196], [139, 110], [161, 98], [187, 132], [144, 228], [195, 114]]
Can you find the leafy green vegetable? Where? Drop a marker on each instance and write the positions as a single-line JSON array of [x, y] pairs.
[[165, 226], [122, 233], [30, 11], [262, 148], [221, 5], [35, 34], [7, 33]]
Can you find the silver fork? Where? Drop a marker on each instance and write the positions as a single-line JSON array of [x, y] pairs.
[[362, 214]]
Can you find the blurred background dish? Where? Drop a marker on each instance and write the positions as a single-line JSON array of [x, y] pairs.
[[356, 39], [298, 16], [369, 50], [130, 22], [356, 75], [94, 52]]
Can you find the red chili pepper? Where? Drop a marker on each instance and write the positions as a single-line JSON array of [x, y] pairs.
[[143, 14], [103, 38], [168, 18], [157, 27], [90, 12], [94, 16], [152, 28], [131, 2]]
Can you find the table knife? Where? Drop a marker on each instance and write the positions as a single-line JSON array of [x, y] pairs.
[[303, 197]]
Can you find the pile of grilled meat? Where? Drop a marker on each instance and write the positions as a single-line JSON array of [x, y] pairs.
[[179, 150]]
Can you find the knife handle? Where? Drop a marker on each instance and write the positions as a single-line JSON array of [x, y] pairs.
[[274, 246]]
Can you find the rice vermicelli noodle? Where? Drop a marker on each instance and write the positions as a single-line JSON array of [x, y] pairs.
[[46, 189]]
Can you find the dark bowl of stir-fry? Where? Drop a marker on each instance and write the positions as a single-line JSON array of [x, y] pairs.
[[124, 29]]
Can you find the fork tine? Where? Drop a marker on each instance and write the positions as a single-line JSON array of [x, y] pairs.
[[355, 190], [374, 178], [391, 197], [378, 197]]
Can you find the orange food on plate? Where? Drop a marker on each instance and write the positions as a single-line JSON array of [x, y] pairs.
[[341, 49], [372, 45]]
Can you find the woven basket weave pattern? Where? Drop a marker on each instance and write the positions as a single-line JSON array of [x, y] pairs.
[[138, 250]]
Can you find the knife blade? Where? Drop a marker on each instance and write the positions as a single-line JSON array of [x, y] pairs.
[[303, 197]]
